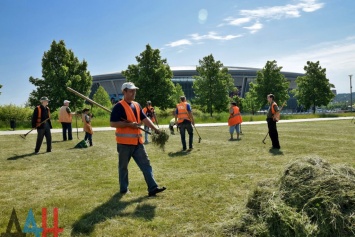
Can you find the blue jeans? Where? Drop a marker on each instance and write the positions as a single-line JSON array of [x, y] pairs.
[[125, 152], [234, 127], [186, 126]]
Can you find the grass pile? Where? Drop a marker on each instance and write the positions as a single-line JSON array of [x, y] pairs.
[[159, 139], [312, 198]]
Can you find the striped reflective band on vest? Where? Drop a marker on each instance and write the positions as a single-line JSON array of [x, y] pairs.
[[128, 135]]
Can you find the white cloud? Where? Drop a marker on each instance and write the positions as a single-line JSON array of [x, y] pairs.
[[286, 11], [255, 17], [336, 56], [213, 36], [179, 43], [254, 28], [238, 21]]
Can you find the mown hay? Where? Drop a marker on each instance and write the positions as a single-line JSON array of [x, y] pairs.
[[160, 139], [312, 198]]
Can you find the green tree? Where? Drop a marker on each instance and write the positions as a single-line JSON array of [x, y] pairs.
[[270, 80], [178, 92], [250, 104], [239, 101], [212, 85], [102, 97], [153, 77], [61, 69], [313, 89]]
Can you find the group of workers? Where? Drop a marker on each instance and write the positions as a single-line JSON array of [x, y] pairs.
[[127, 116]]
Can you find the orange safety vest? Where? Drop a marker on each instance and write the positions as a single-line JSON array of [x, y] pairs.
[[182, 112], [39, 117], [272, 107], [64, 116], [235, 118], [275, 115], [128, 135], [87, 125], [145, 109]]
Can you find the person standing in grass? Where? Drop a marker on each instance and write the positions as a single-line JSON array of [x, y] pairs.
[[65, 118], [127, 116], [149, 111], [271, 121], [86, 118], [234, 121], [41, 121], [184, 120]]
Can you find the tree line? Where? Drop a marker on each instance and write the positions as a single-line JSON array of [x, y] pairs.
[[213, 86]]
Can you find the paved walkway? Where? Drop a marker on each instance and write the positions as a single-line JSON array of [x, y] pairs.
[[11, 132]]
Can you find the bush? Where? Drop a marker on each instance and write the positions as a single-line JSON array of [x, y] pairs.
[[22, 116]]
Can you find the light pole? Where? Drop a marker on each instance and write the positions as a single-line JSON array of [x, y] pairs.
[[351, 95]]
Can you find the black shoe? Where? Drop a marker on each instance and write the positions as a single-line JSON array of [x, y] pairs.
[[156, 190]]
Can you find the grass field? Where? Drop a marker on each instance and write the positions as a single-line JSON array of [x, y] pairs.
[[207, 189]]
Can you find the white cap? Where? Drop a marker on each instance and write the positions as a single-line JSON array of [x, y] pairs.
[[66, 101], [128, 85]]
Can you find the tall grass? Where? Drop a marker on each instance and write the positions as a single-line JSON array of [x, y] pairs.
[[207, 189]]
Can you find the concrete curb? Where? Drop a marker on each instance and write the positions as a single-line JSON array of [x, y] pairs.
[[19, 132]]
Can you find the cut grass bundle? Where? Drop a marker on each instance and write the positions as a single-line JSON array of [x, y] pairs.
[[160, 139], [312, 198]]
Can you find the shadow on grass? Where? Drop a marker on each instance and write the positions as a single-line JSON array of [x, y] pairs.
[[275, 152], [178, 153], [16, 157], [112, 208]]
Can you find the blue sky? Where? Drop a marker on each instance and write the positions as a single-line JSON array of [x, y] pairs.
[[110, 34]]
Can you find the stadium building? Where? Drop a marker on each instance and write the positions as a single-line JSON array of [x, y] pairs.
[[242, 77]]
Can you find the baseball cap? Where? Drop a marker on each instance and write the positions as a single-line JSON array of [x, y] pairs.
[[128, 85], [44, 98], [66, 101]]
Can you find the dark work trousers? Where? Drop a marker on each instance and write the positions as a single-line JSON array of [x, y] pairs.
[[186, 125], [88, 136], [41, 133], [67, 127], [274, 136]]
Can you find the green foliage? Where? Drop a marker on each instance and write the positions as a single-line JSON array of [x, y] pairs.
[[213, 85], [313, 89], [11, 111], [178, 92], [270, 80], [61, 69], [239, 101], [153, 77], [250, 103], [102, 97]]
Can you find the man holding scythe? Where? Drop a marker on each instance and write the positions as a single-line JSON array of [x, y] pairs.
[[127, 116], [41, 121]]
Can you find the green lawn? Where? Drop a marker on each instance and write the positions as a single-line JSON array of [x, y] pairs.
[[207, 189]]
